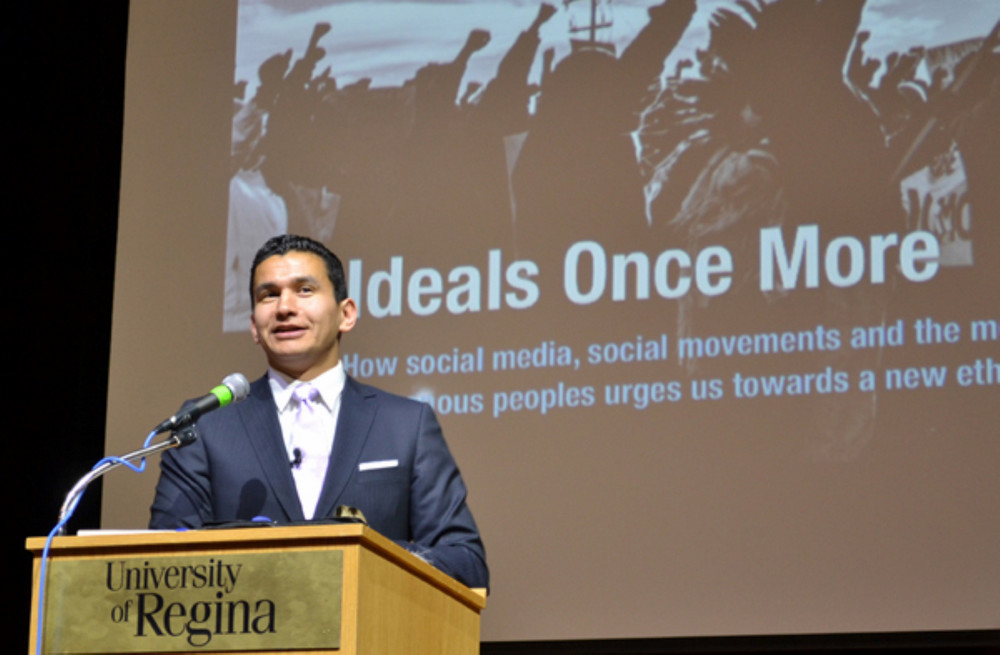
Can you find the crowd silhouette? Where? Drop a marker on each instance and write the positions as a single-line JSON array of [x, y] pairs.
[[770, 128]]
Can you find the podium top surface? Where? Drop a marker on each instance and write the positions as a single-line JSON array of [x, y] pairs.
[[155, 539]]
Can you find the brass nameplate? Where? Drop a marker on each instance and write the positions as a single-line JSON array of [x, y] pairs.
[[190, 603]]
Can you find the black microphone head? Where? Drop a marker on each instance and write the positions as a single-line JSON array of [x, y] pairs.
[[237, 383]]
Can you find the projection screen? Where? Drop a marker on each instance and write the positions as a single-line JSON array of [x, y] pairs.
[[705, 295]]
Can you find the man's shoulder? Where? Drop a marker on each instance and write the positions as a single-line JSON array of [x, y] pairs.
[[384, 397], [258, 401]]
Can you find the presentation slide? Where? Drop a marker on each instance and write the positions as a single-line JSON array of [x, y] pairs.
[[706, 295]]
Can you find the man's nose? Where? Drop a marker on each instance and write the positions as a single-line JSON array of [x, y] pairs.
[[287, 302]]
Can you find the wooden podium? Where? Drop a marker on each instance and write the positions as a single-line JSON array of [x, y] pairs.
[[304, 589]]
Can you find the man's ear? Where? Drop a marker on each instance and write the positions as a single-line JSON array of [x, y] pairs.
[[348, 315], [253, 331]]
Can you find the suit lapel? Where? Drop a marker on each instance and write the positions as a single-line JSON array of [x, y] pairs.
[[260, 419], [357, 411]]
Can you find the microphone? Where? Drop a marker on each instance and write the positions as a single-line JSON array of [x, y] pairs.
[[234, 388], [297, 459]]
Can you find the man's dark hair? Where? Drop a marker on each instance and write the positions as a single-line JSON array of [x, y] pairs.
[[286, 243]]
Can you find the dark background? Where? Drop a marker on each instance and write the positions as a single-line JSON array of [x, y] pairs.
[[66, 62]]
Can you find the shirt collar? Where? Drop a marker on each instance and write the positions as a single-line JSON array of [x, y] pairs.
[[329, 384]]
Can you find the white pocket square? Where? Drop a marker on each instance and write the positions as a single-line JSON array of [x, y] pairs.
[[380, 464]]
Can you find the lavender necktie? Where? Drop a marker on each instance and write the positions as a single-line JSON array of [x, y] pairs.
[[311, 447]]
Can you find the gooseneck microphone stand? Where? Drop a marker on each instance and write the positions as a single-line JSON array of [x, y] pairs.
[[181, 437]]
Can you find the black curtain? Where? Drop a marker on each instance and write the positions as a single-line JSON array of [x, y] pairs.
[[65, 67]]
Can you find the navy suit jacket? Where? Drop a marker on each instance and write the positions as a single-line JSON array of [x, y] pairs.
[[238, 469]]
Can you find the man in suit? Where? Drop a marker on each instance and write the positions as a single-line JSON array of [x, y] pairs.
[[308, 438]]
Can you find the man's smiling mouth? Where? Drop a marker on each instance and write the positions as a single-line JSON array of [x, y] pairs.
[[288, 330]]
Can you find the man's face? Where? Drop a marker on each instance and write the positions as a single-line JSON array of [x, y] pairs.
[[296, 318]]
